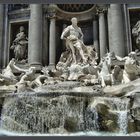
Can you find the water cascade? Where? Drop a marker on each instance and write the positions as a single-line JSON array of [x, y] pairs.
[[64, 114]]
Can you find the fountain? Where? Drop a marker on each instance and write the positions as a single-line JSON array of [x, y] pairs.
[[35, 114], [77, 97]]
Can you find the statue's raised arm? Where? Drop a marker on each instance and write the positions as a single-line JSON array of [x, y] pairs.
[[64, 33]]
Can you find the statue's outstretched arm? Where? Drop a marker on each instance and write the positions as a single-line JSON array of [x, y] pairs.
[[66, 30], [120, 58], [137, 24], [16, 68]]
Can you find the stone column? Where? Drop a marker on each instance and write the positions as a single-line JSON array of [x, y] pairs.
[[109, 28], [52, 45], [45, 41], [35, 36], [1, 31], [95, 35], [5, 50], [116, 34], [102, 34], [52, 35]]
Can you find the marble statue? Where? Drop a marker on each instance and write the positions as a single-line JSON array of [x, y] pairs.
[[29, 75], [117, 75], [25, 81], [7, 76], [77, 55], [105, 75], [75, 72], [77, 63], [131, 67], [46, 77], [88, 74], [136, 35], [74, 36], [19, 45], [40, 80]]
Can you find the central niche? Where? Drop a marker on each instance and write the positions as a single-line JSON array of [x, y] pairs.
[[75, 7], [86, 27]]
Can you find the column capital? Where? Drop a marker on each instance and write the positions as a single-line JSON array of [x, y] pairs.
[[51, 11], [51, 15], [101, 9]]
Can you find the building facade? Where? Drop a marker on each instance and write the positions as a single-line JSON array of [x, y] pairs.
[[107, 27]]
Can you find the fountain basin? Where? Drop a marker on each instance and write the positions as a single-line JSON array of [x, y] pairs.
[[71, 110], [59, 113]]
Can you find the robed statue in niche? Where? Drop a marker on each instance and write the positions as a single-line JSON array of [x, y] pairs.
[[20, 44]]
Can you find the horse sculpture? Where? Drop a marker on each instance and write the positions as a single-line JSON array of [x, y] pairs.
[[7, 76], [105, 75]]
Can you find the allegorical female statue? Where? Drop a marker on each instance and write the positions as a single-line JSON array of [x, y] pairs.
[[20, 44]]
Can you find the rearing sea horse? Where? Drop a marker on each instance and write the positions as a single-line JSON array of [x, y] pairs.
[[105, 75]]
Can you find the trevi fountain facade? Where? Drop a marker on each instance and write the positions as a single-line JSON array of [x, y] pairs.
[[70, 69]]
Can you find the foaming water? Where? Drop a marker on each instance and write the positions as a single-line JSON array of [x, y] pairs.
[[32, 114], [88, 133], [121, 107], [123, 121], [39, 116], [92, 120], [116, 103]]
